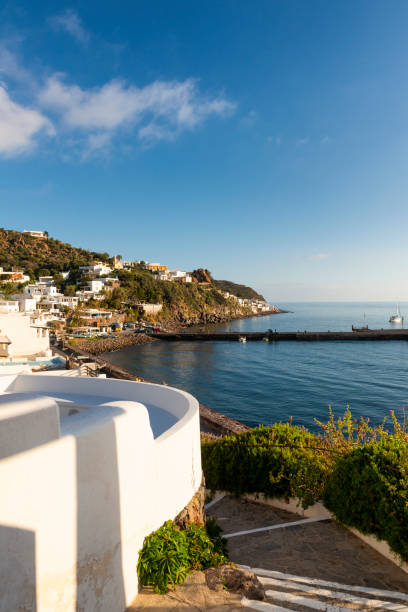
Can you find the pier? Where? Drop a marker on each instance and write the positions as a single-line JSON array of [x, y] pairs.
[[276, 336]]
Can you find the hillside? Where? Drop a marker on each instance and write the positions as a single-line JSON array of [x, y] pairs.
[[40, 257], [188, 304], [241, 291]]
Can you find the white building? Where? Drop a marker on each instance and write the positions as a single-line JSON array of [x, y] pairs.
[[46, 280], [38, 291], [35, 233], [55, 302], [28, 333], [84, 295], [13, 276], [88, 468], [97, 269], [175, 275], [95, 285], [8, 306], [25, 304], [96, 313], [149, 309]]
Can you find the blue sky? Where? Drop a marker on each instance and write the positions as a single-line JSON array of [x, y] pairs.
[[264, 140]]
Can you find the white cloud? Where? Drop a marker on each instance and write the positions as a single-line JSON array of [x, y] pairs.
[[96, 144], [318, 256], [11, 67], [19, 125], [162, 109], [71, 23]]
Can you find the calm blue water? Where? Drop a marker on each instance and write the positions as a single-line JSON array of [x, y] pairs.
[[260, 382]]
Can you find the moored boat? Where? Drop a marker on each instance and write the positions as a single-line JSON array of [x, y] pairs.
[[396, 318], [362, 328]]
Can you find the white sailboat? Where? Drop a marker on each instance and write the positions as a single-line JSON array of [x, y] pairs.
[[396, 318]]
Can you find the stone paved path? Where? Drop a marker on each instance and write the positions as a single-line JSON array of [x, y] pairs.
[[291, 559], [319, 550], [192, 596]]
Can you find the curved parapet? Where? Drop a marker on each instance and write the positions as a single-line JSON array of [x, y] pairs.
[[127, 458]]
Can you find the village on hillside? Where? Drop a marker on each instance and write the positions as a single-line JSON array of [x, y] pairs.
[[86, 304]]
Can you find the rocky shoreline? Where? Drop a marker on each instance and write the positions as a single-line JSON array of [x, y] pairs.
[[214, 318], [99, 346], [108, 345]]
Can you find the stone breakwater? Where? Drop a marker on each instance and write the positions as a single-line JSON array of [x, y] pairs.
[[107, 345]]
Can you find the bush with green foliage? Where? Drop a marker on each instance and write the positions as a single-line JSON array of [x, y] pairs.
[[368, 490], [170, 554], [359, 471], [278, 461]]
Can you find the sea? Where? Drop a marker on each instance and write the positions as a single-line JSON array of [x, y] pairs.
[[261, 383]]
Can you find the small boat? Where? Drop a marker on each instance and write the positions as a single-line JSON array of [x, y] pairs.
[[242, 339], [396, 318], [362, 328], [266, 339]]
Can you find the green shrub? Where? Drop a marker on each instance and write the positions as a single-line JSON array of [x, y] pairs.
[[170, 554], [368, 490], [278, 461]]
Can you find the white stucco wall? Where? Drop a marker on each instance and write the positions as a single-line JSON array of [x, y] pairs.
[[75, 510], [26, 421], [25, 339]]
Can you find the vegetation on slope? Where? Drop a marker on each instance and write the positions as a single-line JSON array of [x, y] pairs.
[[196, 302], [39, 257], [180, 301], [360, 472], [241, 291]]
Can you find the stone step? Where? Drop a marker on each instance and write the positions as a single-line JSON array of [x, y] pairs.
[[325, 583], [302, 593]]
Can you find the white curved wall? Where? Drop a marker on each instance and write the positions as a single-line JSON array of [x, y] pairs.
[[75, 510]]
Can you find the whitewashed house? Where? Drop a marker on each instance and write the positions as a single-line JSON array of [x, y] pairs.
[[175, 275], [97, 269], [25, 304], [28, 333], [13, 276], [8, 306], [46, 280], [35, 233], [57, 301], [38, 291], [95, 285]]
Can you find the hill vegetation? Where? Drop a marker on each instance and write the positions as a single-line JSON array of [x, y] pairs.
[[42, 257], [192, 303], [241, 291]]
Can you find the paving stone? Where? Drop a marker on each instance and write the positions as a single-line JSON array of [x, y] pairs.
[[318, 550]]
